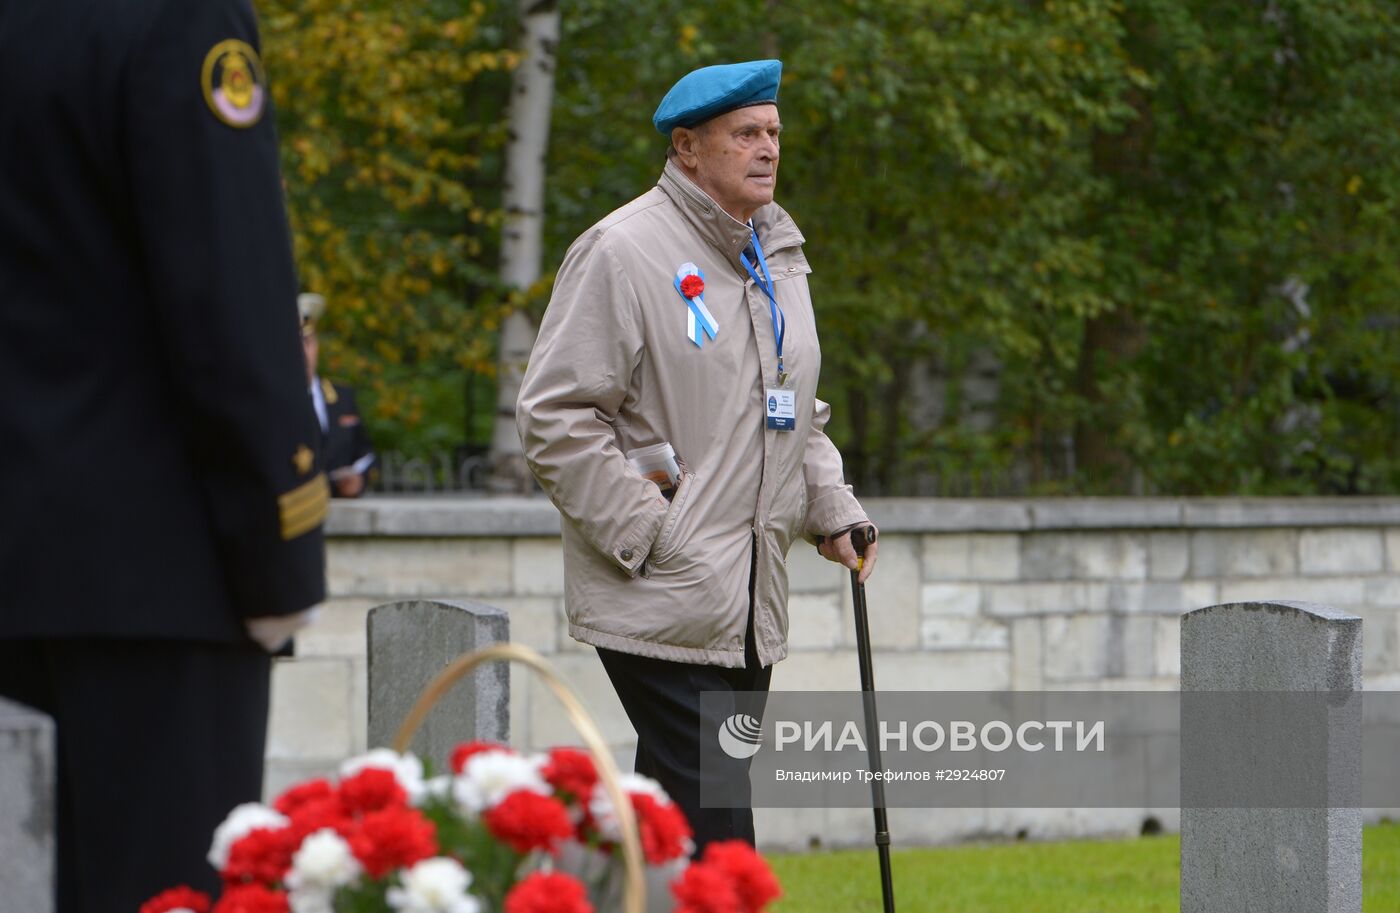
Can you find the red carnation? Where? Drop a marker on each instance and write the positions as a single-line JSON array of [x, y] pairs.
[[752, 878], [548, 893], [570, 771], [393, 838], [527, 821], [664, 831], [318, 814], [182, 898], [370, 790], [262, 855], [691, 286], [704, 889], [251, 898], [295, 798], [463, 752]]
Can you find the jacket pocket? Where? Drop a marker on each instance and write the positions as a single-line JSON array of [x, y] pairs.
[[668, 542]]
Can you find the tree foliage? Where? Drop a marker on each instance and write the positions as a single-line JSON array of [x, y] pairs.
[[1060, 245], [1167, 224], [389, 117], [1263, 261]]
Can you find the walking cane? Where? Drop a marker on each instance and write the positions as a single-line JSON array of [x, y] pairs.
[[861, 538]]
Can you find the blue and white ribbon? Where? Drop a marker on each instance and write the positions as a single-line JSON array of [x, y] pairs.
[[699, 322]]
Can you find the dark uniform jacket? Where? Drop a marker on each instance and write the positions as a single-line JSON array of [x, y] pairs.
[[344, 440], [158, 467]]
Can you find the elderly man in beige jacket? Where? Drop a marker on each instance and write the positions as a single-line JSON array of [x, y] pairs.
[[682, 322]]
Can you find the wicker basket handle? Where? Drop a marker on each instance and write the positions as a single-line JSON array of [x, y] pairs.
[[634, 890]]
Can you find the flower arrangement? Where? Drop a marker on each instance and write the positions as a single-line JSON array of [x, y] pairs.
[[494, 836]]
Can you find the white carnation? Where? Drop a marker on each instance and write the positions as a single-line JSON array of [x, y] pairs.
[[601, 807], [490, 776], [646, 786], [321, 864], [439, 787], [241, 822], [324, 860], [406, 768], [437, 885]]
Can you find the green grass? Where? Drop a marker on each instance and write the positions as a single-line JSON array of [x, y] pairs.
[[1119, 876]]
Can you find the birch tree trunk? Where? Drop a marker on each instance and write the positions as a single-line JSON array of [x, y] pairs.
[[532, 96]]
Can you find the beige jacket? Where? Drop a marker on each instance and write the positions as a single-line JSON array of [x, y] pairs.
[[614, 370]]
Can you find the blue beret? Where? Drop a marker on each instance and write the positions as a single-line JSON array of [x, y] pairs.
[[710, 91]]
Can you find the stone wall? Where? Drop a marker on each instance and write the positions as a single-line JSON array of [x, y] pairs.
[[1050, 594]]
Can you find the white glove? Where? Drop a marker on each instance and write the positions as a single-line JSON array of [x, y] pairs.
[[273, 631]]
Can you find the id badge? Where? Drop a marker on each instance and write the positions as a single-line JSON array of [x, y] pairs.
[[782, 408]]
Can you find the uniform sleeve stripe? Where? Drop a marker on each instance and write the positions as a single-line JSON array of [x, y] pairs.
[[305, 497], [302, 527], [296, 526], [304, 507], [293, 514], [301, 505], [308, 491]]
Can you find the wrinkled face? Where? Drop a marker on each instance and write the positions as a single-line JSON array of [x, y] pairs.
[[733, 157]]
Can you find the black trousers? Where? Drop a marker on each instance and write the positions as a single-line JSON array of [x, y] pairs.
[[662, 700], [157, 742]]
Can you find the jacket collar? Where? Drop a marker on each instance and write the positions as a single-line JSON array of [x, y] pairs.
[[776, 230]]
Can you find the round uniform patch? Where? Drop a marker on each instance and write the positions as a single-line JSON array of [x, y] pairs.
[[234, 84]]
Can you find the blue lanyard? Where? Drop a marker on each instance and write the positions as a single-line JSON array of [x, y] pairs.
[[765, 282]]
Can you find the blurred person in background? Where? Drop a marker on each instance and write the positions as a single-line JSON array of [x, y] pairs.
[[345, 445]]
